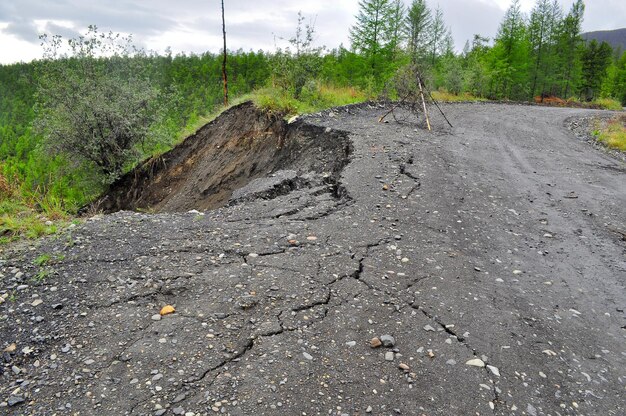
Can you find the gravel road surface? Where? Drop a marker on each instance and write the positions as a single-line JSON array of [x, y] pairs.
[[486, 258]]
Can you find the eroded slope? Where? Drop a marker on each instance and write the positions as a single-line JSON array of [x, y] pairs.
[[242, 144]]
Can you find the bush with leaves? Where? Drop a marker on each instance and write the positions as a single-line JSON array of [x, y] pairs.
[[95, 102], [300, 63]]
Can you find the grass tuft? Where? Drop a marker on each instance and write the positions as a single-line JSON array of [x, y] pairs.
[[315, 97], [447, 97], [613, 133], [26, 215], [608, 104]]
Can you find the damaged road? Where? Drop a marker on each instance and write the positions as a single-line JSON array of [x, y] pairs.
[[486, 251]]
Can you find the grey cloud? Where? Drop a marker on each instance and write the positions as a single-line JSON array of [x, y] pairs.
[[253, 24], [604, 15], [66, 33], [118, 15], [485, 19], [23, 30]]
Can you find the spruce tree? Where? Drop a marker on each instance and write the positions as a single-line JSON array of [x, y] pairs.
[[508, 60], [417, 29], [596, 60], [543, 31], [376, 34], [570, 48], [394, 29], [438, 36]]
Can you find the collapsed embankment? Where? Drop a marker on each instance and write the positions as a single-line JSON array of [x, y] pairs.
[[241, 145]]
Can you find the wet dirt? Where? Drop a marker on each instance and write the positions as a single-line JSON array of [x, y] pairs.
[[241, 145]]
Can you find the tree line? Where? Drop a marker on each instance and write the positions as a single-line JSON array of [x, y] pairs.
[[540, 54], [135, 103]]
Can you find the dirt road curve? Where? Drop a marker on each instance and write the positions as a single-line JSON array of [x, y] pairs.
[[494, 243]]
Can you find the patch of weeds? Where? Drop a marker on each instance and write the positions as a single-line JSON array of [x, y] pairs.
[[149, 210], [42, 260], [447, 97], [608, 104], [20, 221], [42, 275], [28, 214], [69, 242], [48, 259], [612, 133], [315, 97]]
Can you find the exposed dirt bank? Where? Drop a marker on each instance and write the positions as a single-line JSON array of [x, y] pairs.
[[241, 145]]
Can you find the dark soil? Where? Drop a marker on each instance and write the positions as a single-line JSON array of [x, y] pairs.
[[241, 145]]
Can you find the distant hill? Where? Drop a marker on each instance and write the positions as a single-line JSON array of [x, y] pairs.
[[616, 38]]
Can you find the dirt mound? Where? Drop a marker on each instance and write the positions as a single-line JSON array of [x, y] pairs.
[[241, 145]]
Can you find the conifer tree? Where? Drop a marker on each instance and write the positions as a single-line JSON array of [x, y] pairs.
[[595, 61], [373, 34], [570, 47], [543, 31], [395, 27], [417, 28], [509, 58], [437, 35]]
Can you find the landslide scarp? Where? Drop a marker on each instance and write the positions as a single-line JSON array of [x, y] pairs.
[[242, 145]]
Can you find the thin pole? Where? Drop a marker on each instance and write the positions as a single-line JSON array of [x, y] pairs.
[[225, 76], [419, 78], [419, 82], [439, 108]]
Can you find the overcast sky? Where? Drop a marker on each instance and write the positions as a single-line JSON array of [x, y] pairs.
[[195, 25]]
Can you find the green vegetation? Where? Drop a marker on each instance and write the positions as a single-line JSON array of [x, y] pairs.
[[607, 104], [97, 111], [48, 259], [317, 98], [42, 275], [613, 133], [42, 260], [445, 96], [95, 106], [28, 215]]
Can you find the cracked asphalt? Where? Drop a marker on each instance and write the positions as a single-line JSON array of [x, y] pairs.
[[495, 242]]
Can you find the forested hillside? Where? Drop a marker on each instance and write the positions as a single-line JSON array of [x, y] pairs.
[[616, 38], [536, 55]]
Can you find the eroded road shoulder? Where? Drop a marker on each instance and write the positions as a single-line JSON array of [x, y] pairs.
[[486, 251]]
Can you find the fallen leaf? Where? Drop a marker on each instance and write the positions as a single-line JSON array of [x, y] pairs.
[[11, 348], [167, 309]]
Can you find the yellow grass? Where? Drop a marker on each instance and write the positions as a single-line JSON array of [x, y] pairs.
[[613, 133], [27, 216], [608, 104], [447, 97]]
